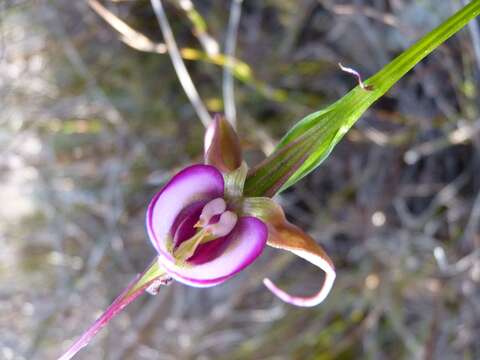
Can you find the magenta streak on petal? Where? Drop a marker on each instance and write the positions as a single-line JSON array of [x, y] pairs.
[[245, 244], [183, 228], [190, 213], [209, 251], [194, 183], [215, 207], [214, 219]]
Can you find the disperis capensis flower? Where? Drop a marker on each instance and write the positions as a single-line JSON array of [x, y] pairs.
[[205, 231], [204, 238]]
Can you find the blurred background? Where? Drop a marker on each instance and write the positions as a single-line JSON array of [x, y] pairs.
[[93, 120]]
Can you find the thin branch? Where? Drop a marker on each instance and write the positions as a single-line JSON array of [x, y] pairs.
[[138, 41], [129, 36], [230, 42], [209, 44], [179, 65], [141, 42]]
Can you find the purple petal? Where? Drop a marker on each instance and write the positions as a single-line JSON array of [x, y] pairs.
[[210, 250], [183, 227], [232, 254], [192, 184]]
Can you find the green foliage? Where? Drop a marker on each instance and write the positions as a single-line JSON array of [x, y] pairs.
[[312, 139]]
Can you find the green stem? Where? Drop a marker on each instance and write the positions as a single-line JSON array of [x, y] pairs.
[[391, 73], [267, 178], [383, 80]]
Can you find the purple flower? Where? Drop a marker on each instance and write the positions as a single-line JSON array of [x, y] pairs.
[[205, 230], [200, 235]]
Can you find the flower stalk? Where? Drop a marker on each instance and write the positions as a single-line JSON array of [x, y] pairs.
[[153, 275]]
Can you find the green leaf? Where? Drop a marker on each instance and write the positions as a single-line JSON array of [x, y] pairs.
[[312, 139]]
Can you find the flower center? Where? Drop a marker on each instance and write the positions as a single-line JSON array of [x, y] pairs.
[[214, 222], [211, 209]]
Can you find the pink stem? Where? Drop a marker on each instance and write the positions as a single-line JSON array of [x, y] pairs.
[[134, 289]]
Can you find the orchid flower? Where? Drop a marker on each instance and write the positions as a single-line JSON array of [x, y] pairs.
[[205, 231]]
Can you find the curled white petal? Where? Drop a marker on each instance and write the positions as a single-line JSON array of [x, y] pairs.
[[315, 299]]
